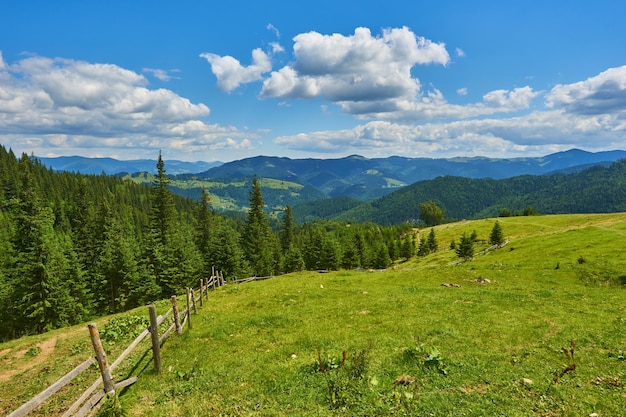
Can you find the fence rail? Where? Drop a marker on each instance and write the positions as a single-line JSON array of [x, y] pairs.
[[90, 401]]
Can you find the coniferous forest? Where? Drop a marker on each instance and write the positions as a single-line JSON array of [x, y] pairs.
[[74, 246]]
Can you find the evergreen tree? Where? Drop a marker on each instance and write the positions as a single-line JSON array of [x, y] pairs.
[[163, 212], [287, 232], [465, 248], [381, 257], [44, 302], [293, 260], [424, 248], [257, 239], [407, 248], [204, 231], [432, 241], [225, 252], [497, 236]]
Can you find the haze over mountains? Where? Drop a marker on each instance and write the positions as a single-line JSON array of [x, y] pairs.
[[354, 176]]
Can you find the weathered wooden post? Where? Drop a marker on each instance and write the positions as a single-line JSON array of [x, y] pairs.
[[101, 357], [193, 301], [179, 328], [154, 332], [201, 292], [189, 308], [222, 277]]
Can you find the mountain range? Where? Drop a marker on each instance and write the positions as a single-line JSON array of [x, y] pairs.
[[111, 166], [383, 190], [366, 179]]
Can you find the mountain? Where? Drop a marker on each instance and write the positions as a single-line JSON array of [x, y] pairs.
[[366, 179], [112, 166], [598, 189]]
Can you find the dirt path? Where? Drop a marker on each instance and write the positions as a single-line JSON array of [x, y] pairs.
[[46, 349]]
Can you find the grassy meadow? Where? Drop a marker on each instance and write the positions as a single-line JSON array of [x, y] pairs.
[[536, 328]]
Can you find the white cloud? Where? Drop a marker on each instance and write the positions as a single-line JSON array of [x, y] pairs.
[[462, 91], [602, 94], [273, 29], [161, 74], [231, 74], [276, 47], [460, 53], [538, 133], [360, 68], [48, 104]]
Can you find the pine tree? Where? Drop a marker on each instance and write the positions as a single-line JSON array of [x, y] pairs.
[[204, 231], [407, 247], [287, 232], [257, 239], [497, 236], [44, 302], [432, 241], [293, 260], [465, 248], [424, 248]]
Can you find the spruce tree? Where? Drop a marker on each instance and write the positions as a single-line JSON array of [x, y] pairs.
[[257, 239], [497, 236], [287, 232], [432, 241], [465, 248]]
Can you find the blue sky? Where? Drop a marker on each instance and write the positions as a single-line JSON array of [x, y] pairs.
[[325, 79]]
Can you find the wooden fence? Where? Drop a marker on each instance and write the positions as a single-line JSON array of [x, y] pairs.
[[90, 400]]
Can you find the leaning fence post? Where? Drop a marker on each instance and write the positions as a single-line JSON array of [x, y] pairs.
[[201, 292], [101, 356], [189, 308], [179, 328], [154, 332]]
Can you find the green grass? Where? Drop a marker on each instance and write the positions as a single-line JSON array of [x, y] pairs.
[[276, 347]]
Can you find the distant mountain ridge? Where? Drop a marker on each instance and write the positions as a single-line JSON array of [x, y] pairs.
[[111, 166], [365, 179], [598, 189]]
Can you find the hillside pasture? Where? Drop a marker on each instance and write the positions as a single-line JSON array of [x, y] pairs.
[[535, 328]]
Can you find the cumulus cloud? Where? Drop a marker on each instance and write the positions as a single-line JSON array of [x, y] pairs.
[[50, 103], [231, 74], [355, 69], [604, 93], [539, 132], [367, 76]]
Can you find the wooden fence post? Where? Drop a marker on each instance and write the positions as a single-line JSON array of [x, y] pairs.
[[193, 301], [154, 331], [189, 308], [179, 328], [101, 357], [201, 292]]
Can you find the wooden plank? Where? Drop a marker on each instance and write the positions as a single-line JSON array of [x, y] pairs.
[[52, 389]]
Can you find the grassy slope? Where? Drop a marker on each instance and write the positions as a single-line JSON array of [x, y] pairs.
[[254, 348]]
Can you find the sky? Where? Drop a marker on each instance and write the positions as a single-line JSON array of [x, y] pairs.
[[222, 81]]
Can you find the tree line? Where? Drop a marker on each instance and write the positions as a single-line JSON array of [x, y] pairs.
[[74, 246]]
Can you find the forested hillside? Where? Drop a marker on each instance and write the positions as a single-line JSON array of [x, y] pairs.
[[596, 190], [76, 246]]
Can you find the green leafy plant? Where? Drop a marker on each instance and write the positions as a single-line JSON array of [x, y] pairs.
[[428, 356], [121, 328]]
